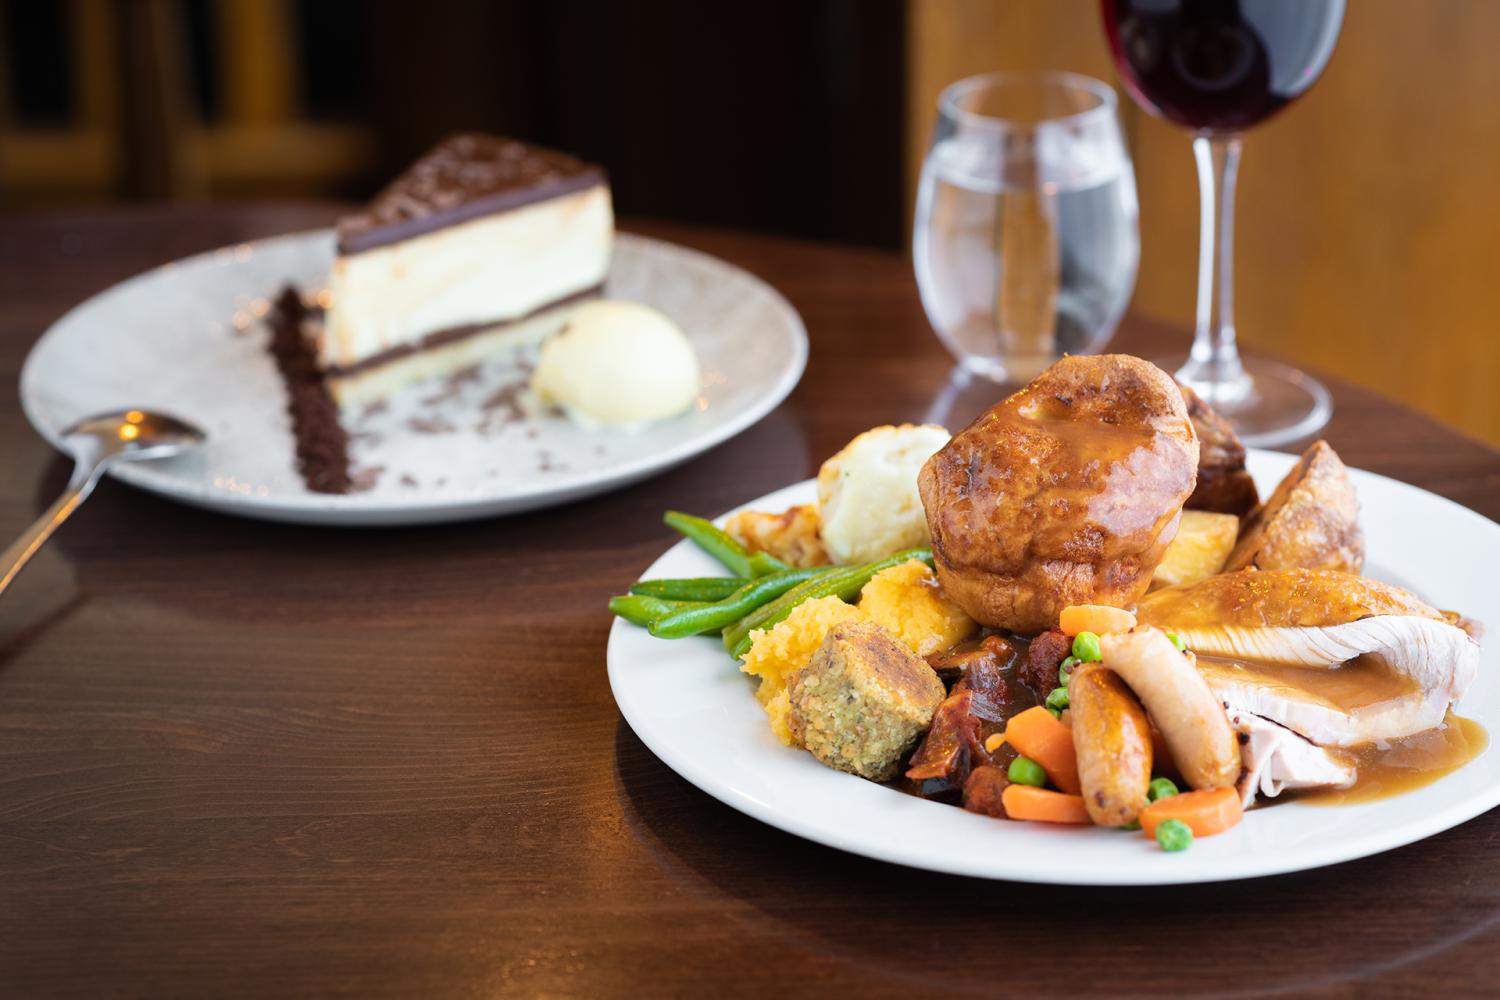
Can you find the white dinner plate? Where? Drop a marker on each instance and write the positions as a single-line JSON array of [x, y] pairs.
[[688, 702], [188, 339]]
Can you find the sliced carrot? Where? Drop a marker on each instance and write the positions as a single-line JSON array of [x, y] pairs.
[[1043, 804], [1206, 812], [1095, 618], [1036, 734]]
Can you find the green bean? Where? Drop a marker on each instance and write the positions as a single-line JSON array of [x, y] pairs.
[[713, 617], [764, 564], [845, 583], [701, 588], [719, 544], [642, 609]]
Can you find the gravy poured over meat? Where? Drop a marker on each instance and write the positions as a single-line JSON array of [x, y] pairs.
[[1359, 685]]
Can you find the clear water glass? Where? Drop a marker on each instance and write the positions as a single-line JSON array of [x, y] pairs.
[[1026, 237]]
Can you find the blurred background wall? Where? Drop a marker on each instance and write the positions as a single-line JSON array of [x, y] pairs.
[[1367, 231]]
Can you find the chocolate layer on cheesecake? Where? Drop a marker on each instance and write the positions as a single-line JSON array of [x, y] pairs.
[[452, 335], [467, 176]]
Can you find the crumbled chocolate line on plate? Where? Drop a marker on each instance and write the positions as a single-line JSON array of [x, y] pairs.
[[322, 444]]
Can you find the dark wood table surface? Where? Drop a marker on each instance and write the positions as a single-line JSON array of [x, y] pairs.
[[252, 759]]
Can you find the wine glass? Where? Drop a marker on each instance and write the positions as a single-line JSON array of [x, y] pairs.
[[1026, 242], [1218, 67]]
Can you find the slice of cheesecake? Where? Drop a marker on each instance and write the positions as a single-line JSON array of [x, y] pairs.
[[483, 244]]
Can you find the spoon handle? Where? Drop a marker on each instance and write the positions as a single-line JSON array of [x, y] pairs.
[[15, 558]]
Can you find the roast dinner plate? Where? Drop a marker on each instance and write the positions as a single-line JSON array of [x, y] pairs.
[[190, 339], [690, 704]]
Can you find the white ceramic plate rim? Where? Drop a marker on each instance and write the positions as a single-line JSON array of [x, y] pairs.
[[1023, 852], [361, 509]]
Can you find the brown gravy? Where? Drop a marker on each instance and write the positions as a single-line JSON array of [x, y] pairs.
[[1360, 683], [1403, 765], [1386, 768]]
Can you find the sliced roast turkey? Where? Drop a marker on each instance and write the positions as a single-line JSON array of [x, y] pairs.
[[1277, 760], [1337, 658]]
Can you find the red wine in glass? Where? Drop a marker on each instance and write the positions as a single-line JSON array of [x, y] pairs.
[[1221, 65], [1218, 67]]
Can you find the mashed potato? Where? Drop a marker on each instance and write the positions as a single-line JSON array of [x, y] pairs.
[[867, 493], [907, 600]]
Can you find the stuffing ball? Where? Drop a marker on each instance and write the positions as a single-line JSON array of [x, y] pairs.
[[863, 701]]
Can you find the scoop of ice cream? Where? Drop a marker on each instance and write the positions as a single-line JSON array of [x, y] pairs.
[[618, 363]]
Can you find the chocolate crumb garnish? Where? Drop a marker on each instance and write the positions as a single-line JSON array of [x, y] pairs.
[[372, 409], [467, 176], [453, 385], [365, 479], [505, 402], [430, 425], [321, 442], [407, 479]]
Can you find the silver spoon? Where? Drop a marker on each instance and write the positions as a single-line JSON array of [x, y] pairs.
[[96, 443]]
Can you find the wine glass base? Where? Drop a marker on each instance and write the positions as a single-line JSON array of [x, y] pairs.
[[1283, 404]]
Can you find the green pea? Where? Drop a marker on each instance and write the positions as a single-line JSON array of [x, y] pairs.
[[1064, 677], [1134, 824], [1056, 712], [1174, 835], [1025, 771], [1057, 698], [1160, 788], [1176, 640], [1086, 647]]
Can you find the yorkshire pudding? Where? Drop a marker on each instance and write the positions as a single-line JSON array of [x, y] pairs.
[[1066, 493]]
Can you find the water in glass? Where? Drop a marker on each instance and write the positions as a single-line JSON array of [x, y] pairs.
[[1025, 239]]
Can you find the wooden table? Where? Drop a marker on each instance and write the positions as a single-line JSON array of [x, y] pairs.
[[248, 759]]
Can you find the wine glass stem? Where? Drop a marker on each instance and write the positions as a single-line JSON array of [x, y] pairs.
[[1213, 368]]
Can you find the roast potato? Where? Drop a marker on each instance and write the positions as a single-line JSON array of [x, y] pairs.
[[1204, 540], [1311, 521]]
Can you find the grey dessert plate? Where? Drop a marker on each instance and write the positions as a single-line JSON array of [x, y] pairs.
[[188, 338]]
